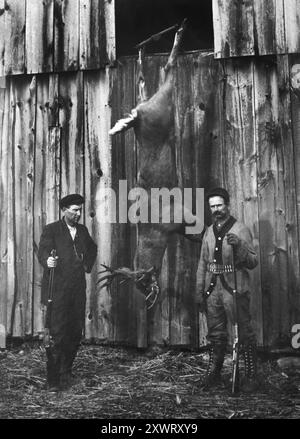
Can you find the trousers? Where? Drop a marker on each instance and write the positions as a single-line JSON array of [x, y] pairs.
[[220, 316], [67, 323]]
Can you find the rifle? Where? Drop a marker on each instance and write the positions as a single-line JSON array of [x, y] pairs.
[[47, 335], [235, 347]]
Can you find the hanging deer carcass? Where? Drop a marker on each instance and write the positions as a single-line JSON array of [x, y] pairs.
[[153, 121]]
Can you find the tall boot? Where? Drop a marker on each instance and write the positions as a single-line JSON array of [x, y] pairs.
[[250, 383], [67, 378], [52, 371], [65, 373], [214, 367]]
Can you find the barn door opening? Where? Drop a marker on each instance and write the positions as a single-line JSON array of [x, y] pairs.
[[136, 20]]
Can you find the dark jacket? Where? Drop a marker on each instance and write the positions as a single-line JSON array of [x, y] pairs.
[[74, 257]]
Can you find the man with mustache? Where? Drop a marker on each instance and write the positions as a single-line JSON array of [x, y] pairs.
[[75, 255], [215, 283]]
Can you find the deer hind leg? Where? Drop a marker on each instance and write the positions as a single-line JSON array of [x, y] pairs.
[[176, 46]]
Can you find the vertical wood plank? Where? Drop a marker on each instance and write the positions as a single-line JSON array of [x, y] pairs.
[[52, 187], [2, 37], [53, 105], [24, 99], [280, 27], [53, 153], [266, 190], [39, 36], [109, 13], [292, 25], [39, 194], [129, 297], [248, 168], [12, 37], [71, 122], [234, 139], [93, 40], [98, 177], [233, 28], [11, 229], [269, 26], [4, 166], [66, 35], [239, 155], [273, 242], [217, 167]]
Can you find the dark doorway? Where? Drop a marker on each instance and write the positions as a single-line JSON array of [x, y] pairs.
[[137, 20]]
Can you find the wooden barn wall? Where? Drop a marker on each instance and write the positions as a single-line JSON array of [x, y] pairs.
[[54, 139], [256, 27], [260, 167], [237, 125], [172, 321], [39, 36], [251, 148]]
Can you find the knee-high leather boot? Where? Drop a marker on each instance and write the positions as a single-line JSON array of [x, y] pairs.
[[52, 370], [214, 367], [250, 383]]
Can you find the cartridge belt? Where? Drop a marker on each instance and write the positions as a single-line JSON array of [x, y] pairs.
[[212, 267]]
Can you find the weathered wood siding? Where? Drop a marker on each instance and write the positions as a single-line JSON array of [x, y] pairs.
[[4, 197], [237, 125], [39, 36], [12, 36], [54, 140], [256, 27], [42, 153], [259, 156]]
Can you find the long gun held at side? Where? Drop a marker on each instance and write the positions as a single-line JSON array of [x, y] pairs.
[[235, 347], [47, 334]]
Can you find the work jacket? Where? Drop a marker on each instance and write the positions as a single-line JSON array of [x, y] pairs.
[[216, 250], [75, 257]]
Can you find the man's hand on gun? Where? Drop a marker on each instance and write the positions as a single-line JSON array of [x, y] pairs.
[[52, 261], [233, 239]]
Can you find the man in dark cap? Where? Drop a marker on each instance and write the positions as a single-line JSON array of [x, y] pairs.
[[224, 239], [75, 255]]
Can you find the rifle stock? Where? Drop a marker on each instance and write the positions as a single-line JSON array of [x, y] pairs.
[[235, 347], [235, 362]]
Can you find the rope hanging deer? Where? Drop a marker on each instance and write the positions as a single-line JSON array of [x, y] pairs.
[[153, 121]]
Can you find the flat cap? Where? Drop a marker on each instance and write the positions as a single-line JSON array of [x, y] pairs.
[[218, 192], [68, 200]]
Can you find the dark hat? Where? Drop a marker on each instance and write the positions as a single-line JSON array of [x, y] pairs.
[[218, 192], [71, 199]]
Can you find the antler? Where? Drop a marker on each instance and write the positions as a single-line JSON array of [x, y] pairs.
[[145, 280]]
